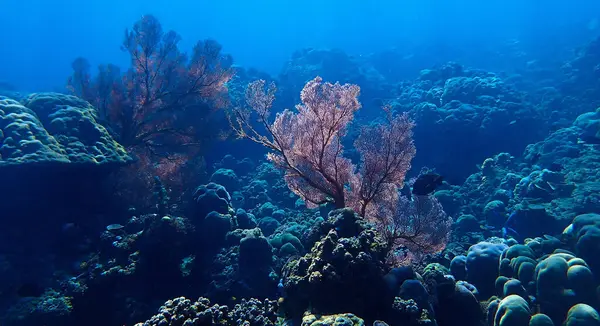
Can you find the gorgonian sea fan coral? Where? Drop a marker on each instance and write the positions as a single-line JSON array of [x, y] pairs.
[[161, 109], [307, 145], [418, 224], [149, 106]]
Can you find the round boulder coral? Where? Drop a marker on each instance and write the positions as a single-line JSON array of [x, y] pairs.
[[585, 230], [540, 320], [562, 281], [582, 315], [210, 197], [512, 311], [482, 266], [227, 178]]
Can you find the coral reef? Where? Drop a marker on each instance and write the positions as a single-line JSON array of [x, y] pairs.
[[330, 228]]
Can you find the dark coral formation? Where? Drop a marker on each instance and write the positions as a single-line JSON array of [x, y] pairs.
[[474, 111], [183, 312], [343, 272]]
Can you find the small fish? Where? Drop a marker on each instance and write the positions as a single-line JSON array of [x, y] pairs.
[[511, 218], [380, 323], [508, 232], [535, 158], [426, 184], [114, 227]]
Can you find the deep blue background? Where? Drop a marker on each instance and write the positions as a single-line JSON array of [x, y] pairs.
[[40, 38]]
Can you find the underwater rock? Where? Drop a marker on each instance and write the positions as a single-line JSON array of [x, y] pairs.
[[495, 213], [268, 225], [266, 209], [255, 253], [227, 178], [458, 267], [245, 220], [468, 89], [482, 266], [455, 109], [518, 262], [590, 127], [215, 227], [396, 277], [210, 197], [53, 128], [466, 223], [334, 65], [457, 304], [514, 287], [285, 240], [52, 308]]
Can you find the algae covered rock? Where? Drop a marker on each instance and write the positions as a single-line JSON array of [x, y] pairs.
[[53, 128]]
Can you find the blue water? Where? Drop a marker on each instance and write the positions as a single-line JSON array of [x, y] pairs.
[[40, 38]]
